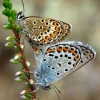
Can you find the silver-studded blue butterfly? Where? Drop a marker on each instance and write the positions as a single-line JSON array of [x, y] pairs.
[[61, 59]]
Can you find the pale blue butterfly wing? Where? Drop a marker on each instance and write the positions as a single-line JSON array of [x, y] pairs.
[[61, 59]]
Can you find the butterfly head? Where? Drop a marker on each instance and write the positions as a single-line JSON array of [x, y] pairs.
[[20, 15], [19, 21], [46, 87]]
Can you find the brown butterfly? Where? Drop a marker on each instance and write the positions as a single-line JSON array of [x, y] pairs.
[[41, 31]]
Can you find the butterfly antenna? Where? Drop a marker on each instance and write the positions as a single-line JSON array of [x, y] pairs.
[[23, 7], [54, 88]]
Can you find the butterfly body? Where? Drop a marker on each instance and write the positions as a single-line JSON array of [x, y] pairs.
[[61, 59], [42, 30]]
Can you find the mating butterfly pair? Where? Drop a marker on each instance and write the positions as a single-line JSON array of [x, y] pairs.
[[56, 60]]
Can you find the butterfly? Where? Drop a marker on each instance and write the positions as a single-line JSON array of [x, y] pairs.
[[60, 60], [41, 31]]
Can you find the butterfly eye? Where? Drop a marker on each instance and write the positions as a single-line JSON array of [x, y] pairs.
[[20, 15], [37, 75]]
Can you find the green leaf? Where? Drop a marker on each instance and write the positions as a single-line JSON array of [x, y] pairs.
[[22, 79], [8, 26], [16, 48], [15, 61], [6, 12], [13, 14], [10, 20], [17, 28], [10, 44], [28, 85], [28, 95], [19, 79], [11, 38], [7, 4], [23, 66], [26, 98]]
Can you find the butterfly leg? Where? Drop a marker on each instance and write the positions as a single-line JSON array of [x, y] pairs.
[[33, 66], [37, 87]]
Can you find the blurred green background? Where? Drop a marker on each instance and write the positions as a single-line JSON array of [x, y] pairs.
[[84, 16]]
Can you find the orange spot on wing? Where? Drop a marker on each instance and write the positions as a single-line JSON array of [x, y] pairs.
[[57, 29], [74, 53], [41, 41], [70, 50], [59, 49], [74, 64], [36, 49], [65, 49], [50, 51], [46, 38], [53, 35], [55, 24], [76, 58]]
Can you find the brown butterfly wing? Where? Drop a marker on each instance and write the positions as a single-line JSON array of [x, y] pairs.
[[46, 30]]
